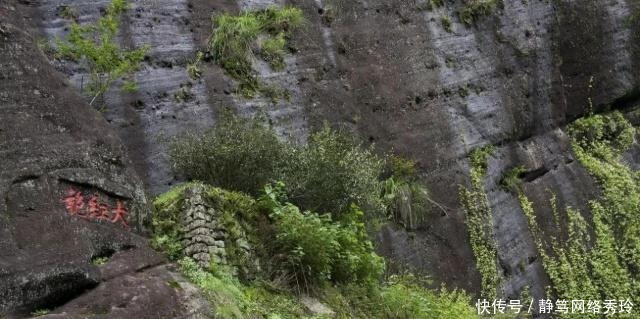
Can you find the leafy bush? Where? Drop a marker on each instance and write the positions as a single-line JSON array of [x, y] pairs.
[[237, 154], [332, 172], [96, 44], [314, 249], [234, 40], [335, 256], [327, 175]]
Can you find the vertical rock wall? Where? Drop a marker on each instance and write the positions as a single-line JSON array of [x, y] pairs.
[[390, 72]]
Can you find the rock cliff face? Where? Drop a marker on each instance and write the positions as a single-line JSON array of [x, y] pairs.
[[387, 70], [69, 200]]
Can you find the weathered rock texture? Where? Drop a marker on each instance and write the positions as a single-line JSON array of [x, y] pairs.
[[203, 233], [390, 72], [51, 141]]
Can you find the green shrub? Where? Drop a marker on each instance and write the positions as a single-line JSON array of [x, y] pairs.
[[327, 175], [333, 171], [193, 68], [237, 154], [401, 297], [315, 249], [272, 51], [69, 12], [234, 41], [405, 199], [40, 312], [404, 298], [474, 9], [432, 4], [512, 179], [96, 44], [334, 256]]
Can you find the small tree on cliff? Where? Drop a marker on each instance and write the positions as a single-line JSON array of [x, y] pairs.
[[95, 44]]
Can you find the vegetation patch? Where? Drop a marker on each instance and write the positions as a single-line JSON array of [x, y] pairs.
[[406, 199], [238, 38], [96, 45], [446, 23], [325, 256], [326, 175], [511, 181], [40, 312], [597, 260], [475, 9], [432, 4], [480, 222]]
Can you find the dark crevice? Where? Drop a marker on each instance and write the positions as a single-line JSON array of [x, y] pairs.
[[24, 178], [530, 176], [93, 187], [629, 100], [61, 289], [104, 252]]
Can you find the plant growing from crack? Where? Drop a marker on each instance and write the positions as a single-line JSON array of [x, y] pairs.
[[238, 38], [95, 45]]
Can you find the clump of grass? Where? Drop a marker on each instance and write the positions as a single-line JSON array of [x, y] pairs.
[[511, 179], [40, 312], [184, 93], [446, 23], [474, 9], [68, 12], [275, 93], [193, 68], [99, 261], [234, 42], [432, 4], [272, 51]]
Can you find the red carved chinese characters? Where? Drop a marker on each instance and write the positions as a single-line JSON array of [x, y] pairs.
[[94, 207], [119, 212], [74, 201], [75, 205]]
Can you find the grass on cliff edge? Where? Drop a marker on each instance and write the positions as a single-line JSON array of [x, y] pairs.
[[236, 39]]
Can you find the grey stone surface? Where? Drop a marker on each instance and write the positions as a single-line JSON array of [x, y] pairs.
[[390, 73], [51, 141]]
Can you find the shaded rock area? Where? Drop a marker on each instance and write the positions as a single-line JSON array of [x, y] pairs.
[[63, 175], [147, 294]]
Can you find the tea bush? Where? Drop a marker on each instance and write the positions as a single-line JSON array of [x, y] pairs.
[[237, 154], [327, 175]]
